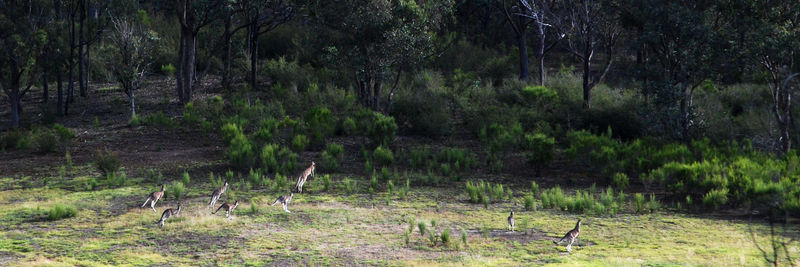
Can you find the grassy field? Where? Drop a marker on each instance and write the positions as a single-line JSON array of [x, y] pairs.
[[334, 228]]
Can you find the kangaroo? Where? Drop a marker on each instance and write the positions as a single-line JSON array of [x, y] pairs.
[[216, 194], [302, 179], [285, 201], [571, 235], [169, 213], [154, 197], [511, 221], [228, 208]]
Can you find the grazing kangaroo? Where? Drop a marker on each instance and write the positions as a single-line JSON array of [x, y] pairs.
[[571, 235], [511, 221], [169, 213], [216, 194], [154, 197], [228, 208], [285, 201], [302, 179]]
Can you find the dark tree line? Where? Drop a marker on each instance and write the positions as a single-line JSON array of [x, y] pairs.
[[670, 48]]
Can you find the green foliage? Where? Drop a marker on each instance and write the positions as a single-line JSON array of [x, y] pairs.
[[464, 237], [319, 124], [279, 183], [349, 126], [715, 198], [177, 190], [331, 156], [168, 69], [382, 129], [529, 202], [240, 152], [185, 178], [485, 192], [500, 140], [422, 228], [216, 182], [159, 120], [620, 180], [534, 188], [653, 204], [299, 143], [383, 156], [58, 212], [106, 162], [639, 203], [350, 186], [540, 150], [254, 210], [46, 141], [445, 236], [327, 182]]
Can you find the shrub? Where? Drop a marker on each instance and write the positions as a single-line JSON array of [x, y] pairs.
[[319, 124], [327, 182], [350, 186], [539, 94], [534, 188], [529, 202], [176, 190], [266, 131], [383, 156], [216, 182], [135, 121], [381, 129], [445, 237], [280, 182], [464, 237], [484, 192], [230, 131], [159, 120], [422, 228], [106, 162], [269, 157], [46, 141], [65, 135], [540, 150], [653, 204], [620, 180], [554, 198], [254, 206], [58, 212], [422, 113], [639, 202], [185, 178], [299, 143], [349, 126], [715, 198], [331, 156], [240, 152]]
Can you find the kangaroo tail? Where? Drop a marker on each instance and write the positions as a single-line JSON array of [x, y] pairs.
[[215, 212]]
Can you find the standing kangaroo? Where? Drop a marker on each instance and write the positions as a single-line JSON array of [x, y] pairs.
[[216, 194], [303, 176], [228, 207], [154, 197]]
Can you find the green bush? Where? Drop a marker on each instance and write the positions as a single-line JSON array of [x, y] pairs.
[[554, 198], [379, 128], [319, 124], [350, 186], [445, 237], [299, 143], [534, 188], [383, 156], [106, 162], [485, 192], [529, 203], [266, 131], [159, 120], [715, 198], [65, 135], [540, 150], [279, 183], [58, 212], [539, 94], [639, 203], [331, 156], [46, 141], [422, 228], [176, 190], [269, 157], [422, 112], [349, 126], [620, 180], [653, 204], [327, 182], [240, 152]]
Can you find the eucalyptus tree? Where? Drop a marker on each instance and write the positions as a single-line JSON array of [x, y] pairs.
[[540, 14], [131, 56], [22, 38], [193, 15], [374, 41]]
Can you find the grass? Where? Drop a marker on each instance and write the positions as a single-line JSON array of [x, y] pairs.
[[107, 227]]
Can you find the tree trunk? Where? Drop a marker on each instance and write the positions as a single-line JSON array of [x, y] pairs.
[[226, 69], [132, 104], [254, 56], [45, 90], [540, 57], [86, 65], [14, 97], [186, 68], [59, 85], [523, 55], [81, 40], [587, 80]]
